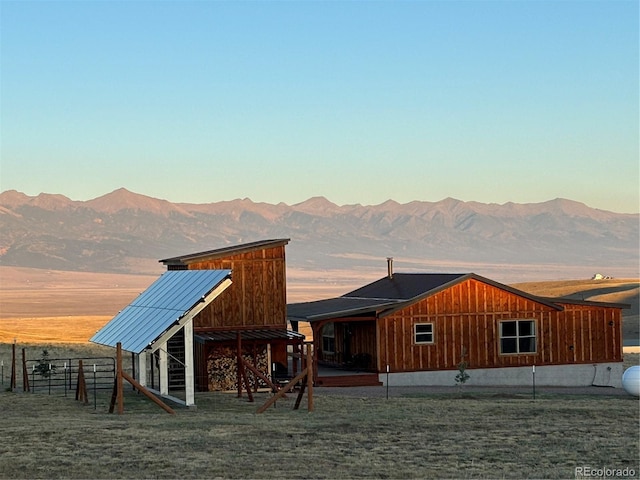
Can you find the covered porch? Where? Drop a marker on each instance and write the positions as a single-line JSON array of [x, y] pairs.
[[345, 343]]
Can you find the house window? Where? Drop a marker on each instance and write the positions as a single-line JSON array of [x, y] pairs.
[[328, 338], [423, 332], [517, 336]]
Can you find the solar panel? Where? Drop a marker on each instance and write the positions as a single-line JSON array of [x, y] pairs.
[[160, 306]]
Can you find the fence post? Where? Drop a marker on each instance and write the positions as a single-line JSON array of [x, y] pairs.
[[25, 374], [119, 383], [95, 405], [309, 378], [13, 365]]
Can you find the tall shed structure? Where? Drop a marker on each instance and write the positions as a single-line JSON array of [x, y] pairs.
[[251, 312]]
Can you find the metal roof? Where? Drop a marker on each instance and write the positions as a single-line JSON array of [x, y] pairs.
[[405, 286], [390, 294], [263, 334], [159, 307], [336, 307], [224, 252]]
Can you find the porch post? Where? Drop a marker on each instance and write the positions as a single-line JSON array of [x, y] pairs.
[[239, 367], [189, 383], [316, 340], [142, 368], [164, 370]]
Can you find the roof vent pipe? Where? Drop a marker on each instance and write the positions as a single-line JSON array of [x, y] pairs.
[[390, 267]]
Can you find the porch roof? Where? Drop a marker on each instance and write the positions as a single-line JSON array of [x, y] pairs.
[[248, 335], [337, 307]]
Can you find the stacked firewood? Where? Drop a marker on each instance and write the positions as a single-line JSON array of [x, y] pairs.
[[222, 366]]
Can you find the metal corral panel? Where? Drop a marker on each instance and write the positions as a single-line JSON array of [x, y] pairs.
[[159, 307]]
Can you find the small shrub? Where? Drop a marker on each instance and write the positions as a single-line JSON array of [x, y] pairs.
[[44, 368], [462, 375]]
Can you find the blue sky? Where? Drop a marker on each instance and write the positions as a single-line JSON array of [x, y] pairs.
[[492, 101]]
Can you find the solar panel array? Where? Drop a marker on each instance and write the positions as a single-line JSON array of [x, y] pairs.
[[159, 307]]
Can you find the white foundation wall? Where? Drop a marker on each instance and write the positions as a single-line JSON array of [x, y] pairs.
[[583, 375]]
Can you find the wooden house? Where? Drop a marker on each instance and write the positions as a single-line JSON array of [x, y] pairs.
[[420, 327], [250, 315]]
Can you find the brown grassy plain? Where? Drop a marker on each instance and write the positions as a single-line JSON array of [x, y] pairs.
[[53, 306], [425, 435]]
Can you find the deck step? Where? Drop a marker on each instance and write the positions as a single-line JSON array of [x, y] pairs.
[[367, 380]]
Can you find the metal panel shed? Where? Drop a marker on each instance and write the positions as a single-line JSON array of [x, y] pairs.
[[166, 307]]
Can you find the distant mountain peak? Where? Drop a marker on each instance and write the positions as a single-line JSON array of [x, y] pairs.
[[46, 201], [316, 205], [12, 198], [123, 199]]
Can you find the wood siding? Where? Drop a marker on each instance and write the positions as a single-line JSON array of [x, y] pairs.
[[467, 315], [257, 296]]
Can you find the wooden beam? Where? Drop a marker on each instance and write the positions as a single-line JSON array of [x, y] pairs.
[[114, 394], [81, 385], [119, 384], [246, 381], [239, 363], [25, 374], [310, 368], [148, 394], [299, 399], [262, 376], [13, 366], [281, 393], [118, 391]]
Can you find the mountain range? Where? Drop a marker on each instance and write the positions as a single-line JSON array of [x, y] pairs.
[[127, 232]]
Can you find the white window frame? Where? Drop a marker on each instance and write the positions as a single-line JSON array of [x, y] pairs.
[[517, 337], [416, 333]]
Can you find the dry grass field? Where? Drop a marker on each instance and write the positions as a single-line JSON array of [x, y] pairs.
[[424, 434], [66, 307], [618, 290]]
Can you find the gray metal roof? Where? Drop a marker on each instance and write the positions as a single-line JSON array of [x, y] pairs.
[[405, 286], [158, 308], [337, 307], [224, 251], [390, 294]]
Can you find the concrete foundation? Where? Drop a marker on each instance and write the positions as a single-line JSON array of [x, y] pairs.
[[583, 375]]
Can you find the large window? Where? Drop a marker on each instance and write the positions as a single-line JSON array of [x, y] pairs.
[[423, 333], [517, 336], [328, 338]]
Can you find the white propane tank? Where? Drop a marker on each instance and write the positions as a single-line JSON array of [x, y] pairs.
[[631, 380]]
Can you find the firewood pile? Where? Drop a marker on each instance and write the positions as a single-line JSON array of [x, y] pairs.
[[222, 365]]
